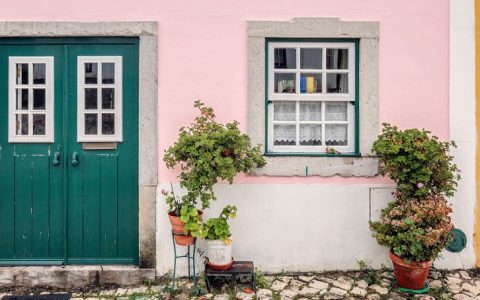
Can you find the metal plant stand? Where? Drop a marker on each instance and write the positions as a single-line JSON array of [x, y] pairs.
[[189, 256]]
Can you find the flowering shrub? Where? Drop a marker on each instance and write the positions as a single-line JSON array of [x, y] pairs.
[[415, 230], [419, 163], [417, 225]]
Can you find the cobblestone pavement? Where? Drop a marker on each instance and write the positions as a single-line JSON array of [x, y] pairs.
[[365, 284]]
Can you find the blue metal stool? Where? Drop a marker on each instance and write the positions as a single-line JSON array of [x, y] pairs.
[[188, 256]]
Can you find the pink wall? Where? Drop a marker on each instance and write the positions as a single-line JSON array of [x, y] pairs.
[[203, 55]]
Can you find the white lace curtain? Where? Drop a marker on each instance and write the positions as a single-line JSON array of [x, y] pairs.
[[310, 133]]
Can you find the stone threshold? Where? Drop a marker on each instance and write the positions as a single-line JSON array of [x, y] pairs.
[[74, 276]]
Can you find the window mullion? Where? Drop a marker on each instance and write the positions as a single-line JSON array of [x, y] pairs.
[[323, 124]]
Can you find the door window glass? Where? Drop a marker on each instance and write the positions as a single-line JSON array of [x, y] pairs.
[[31, 99], [99, 99]]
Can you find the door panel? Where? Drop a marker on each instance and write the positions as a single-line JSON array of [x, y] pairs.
[[53, 210]]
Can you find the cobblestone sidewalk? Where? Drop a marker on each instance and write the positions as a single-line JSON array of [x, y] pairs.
[[365, 284]]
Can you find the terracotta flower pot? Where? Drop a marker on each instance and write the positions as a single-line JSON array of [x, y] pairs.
[[178, 227], [410, 275]]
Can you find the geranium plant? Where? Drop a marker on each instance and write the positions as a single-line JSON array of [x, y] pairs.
[[218, 228], [207, 152]]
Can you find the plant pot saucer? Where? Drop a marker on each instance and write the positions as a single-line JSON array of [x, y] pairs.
[[219, 267]]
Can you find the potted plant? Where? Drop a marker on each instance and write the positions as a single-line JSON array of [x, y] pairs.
[[207, 152], [416, 226], [216, 232]]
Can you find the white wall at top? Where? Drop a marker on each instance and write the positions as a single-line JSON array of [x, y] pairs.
[[462, 126]]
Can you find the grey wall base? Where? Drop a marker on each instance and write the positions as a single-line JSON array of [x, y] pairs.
[[74, 276]]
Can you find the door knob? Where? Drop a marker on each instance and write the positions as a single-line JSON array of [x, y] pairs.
[[75, 158], [56, 158]]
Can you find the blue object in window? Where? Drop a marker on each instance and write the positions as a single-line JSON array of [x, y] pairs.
[[303, 84]]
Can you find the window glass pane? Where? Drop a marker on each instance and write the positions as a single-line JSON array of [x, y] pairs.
[[284, 135], [108, 98], [310, 83], [39, 73], [91, 73], [310, 58], [310, 135], [108, 73], [38, 98], [285, 83], [337, 59], [337, 83], [285, 58], [310, 111], [108, 123], [22, 74], [22, 124], [91, 124], [336, 135], [336, 111], [22, 99], [39, 124], [284, 111], [90, 98]]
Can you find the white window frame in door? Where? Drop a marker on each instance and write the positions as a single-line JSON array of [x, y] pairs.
[[117, 86], [13, 137]]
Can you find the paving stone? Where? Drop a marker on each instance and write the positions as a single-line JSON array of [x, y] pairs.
[[379, 289], [464, 275], [296, 283], [386, 283], [285, 279], [244, 296], [436, 284], [220, 297], [326, 279], [342, 284], [208, 296], [356, 291], [362, 284], [474, 289], [288, 294], [461, 297], [70, 298], [316, 284], [454, 280], [373, 297], [306, 278], [108, 292], [123, 298], [388, 275], [336, 291], [346, 279], [264, 294], [278, 285], [395, 296], [306, 291], [74, 295], [454, 288], [138, 290]]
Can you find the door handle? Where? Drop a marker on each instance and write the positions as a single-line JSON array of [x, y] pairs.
[[75, 158], [56, 158]]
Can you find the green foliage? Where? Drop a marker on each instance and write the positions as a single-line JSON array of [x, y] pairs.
[[367, 273], [417, 225], [206, 152], [260, 280], [218, 228], [419, 163]]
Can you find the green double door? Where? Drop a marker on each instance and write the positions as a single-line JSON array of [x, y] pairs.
[[68, 151]]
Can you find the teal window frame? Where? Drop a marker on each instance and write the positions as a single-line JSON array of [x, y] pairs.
[[356, 101]]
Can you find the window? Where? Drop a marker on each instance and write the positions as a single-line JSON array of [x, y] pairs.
[[311, 97], [99, 100], [30, 99], [340, 97]]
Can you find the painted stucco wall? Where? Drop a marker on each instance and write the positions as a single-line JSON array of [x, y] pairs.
[[292, 223]]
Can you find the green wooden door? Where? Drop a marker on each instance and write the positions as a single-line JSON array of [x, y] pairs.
[[68, 151]]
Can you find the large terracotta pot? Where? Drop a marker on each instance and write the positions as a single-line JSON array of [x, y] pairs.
[[410, 275], [178, 226]]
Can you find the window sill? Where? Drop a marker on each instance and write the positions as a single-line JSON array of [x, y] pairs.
[[323, 165], [294, 154]]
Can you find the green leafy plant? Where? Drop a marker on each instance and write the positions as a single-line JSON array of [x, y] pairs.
[[416, 226], [218, 228], [207, 152], [418, 162], [415, 230]]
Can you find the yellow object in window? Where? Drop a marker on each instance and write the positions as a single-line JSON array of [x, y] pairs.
[[310, 84]]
